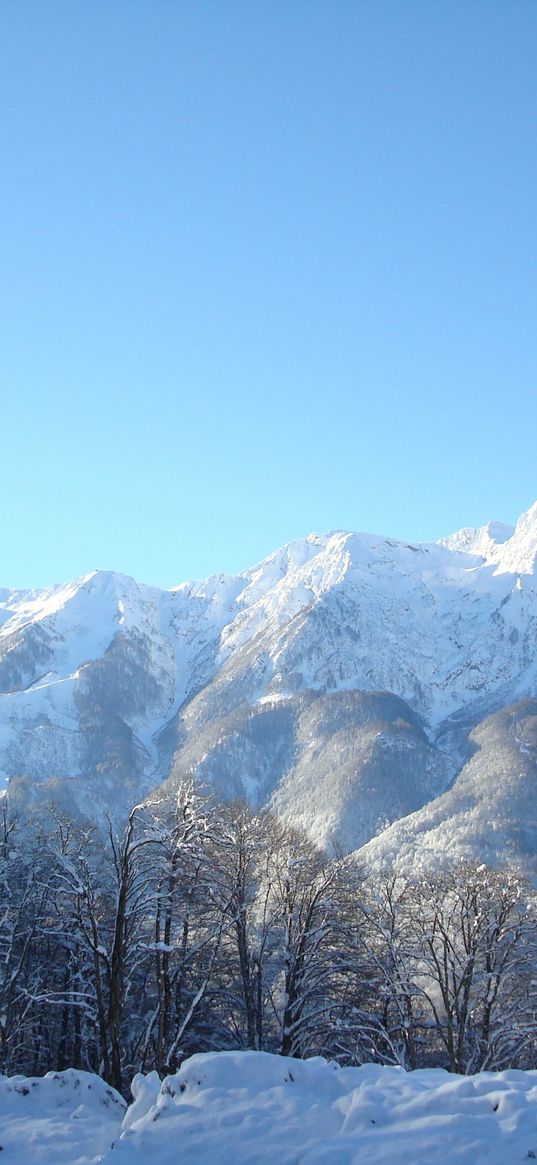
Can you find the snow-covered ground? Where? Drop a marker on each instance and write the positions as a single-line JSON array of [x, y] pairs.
[[63, 1118], [229, 1108]]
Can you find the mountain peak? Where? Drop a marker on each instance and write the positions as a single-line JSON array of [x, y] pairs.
[[484, 541], [510, 549], [520, 552], [527, 520]]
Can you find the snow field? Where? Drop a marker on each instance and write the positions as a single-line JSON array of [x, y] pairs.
[[253, 1108]]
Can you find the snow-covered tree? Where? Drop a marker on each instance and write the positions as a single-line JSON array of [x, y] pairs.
[[476, 936]]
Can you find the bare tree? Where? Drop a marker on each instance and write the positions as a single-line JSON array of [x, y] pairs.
[[476, 936], [186, 925]]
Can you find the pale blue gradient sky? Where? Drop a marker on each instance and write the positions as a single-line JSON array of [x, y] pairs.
[[267, 267]]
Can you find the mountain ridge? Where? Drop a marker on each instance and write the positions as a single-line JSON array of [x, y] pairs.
[[108, 687]]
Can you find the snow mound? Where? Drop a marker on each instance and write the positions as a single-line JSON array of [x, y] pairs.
[[254, 1108], [63, 1118]]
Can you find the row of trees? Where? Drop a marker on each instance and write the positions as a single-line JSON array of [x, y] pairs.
[[209, 928]]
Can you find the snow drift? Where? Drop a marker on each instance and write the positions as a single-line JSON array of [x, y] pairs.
[[252, 1108]]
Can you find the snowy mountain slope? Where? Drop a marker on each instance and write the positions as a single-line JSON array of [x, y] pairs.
[[486, 541], [365, 762], [341, 765], [90, 672], [435, 627], [253, 681], [489, 811]]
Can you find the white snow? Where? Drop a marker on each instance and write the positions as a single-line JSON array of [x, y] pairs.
[[63, 1118], [484, 541], [510, 549], [252, 1108]]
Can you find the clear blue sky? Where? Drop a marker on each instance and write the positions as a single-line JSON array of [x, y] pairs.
[[268, 267]]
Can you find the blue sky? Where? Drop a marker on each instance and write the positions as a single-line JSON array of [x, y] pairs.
[[267, 268]]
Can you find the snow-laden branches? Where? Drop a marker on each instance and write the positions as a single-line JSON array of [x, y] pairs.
[[201, 927]]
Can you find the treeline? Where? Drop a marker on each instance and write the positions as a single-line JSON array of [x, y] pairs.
[[207, 928]]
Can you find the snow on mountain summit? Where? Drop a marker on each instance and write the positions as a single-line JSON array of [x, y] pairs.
[[520, 552], [484, 541], [511, 549]]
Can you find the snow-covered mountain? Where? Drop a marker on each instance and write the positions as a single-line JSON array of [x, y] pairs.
[[349, 680]]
